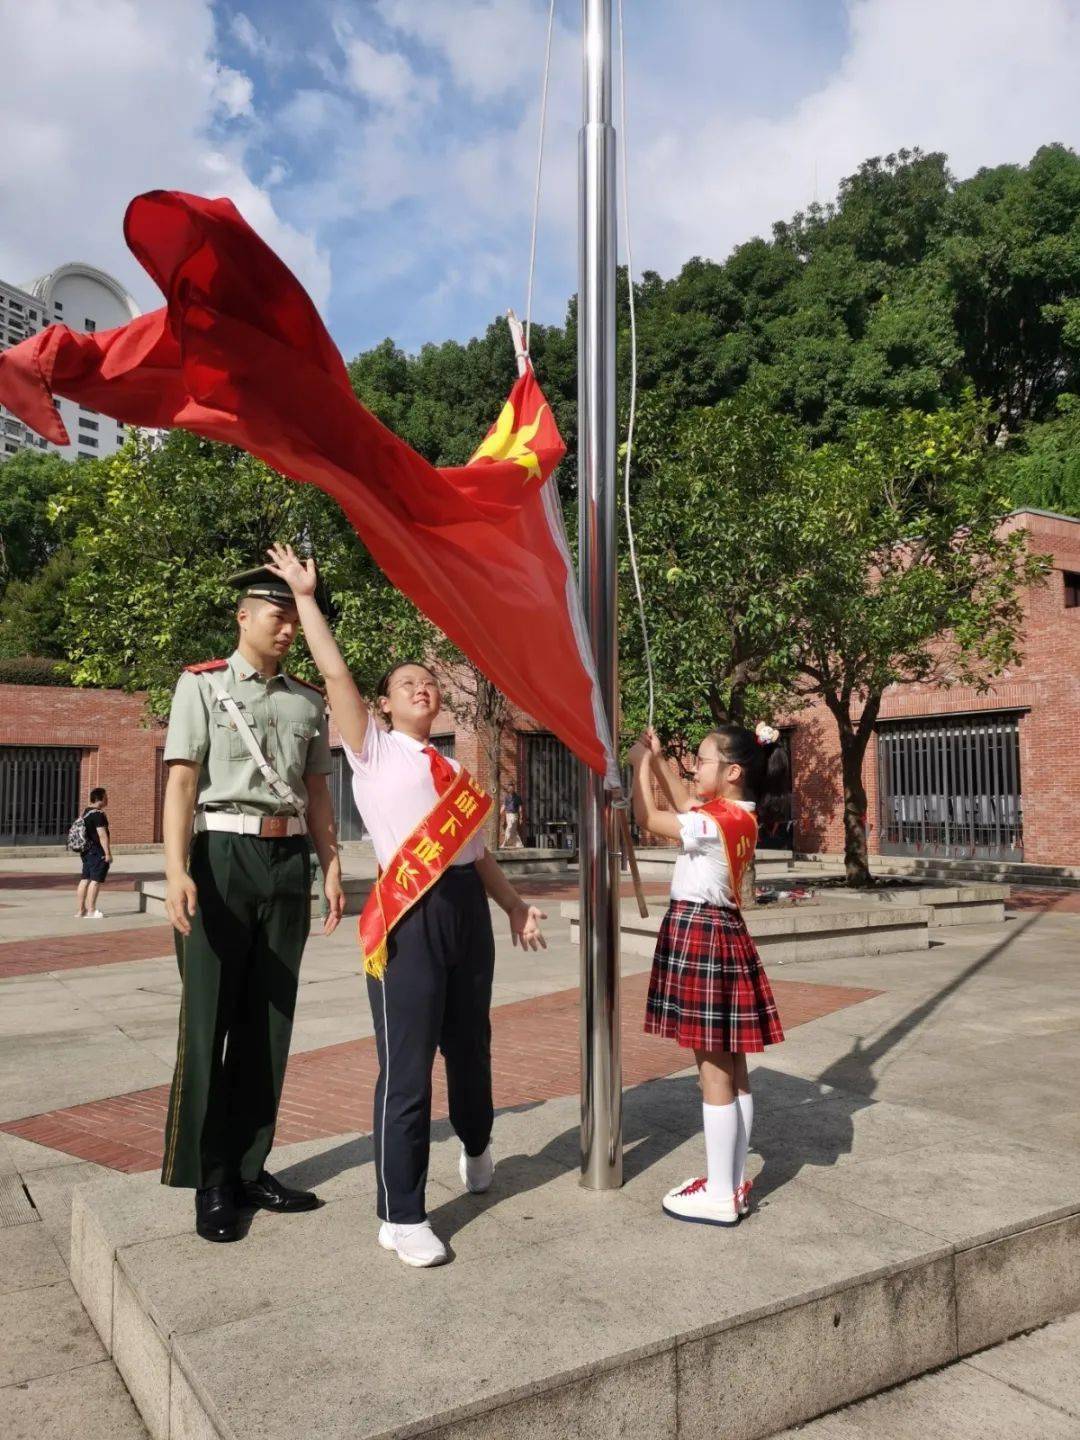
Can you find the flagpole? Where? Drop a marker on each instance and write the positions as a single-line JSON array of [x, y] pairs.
[[601, 1061]]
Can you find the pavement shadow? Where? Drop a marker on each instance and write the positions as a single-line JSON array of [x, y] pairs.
[[656, 1122], [847, 1085], [799, 1121]]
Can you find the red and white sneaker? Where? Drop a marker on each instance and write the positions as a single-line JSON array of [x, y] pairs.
[[691, 1201], [742, 1197]]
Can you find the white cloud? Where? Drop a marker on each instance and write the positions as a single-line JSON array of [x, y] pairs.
[[248, 37], [987, 81], [384, 77], [492, 49], [233, 92], [133, 99]]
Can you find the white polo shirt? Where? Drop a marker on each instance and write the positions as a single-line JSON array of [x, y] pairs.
[[393, 790], [702, 875]]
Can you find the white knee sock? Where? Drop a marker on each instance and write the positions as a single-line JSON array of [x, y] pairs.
[[744, 1103], [721, 1133]]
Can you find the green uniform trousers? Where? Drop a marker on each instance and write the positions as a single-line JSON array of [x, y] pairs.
[[239, 968]]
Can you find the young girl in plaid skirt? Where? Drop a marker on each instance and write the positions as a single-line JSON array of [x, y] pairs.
[[708, 990]]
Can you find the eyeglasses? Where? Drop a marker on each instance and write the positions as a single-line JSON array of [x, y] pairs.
[[411, 686], [700, 762]]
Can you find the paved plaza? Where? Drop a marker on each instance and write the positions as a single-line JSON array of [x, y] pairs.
[[924, 1104]]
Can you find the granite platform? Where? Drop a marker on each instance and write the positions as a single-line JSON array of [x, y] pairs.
[[889, 1239]]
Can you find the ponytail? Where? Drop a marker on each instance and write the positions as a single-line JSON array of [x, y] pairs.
[[763, 759]]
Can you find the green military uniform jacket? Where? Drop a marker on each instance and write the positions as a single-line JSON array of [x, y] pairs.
[[287, 716]]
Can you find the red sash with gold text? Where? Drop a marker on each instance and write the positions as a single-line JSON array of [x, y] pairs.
[[739, 831], [418, 863]]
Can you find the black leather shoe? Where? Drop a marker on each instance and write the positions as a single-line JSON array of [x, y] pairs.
[[266, 1193], [215, 1214]]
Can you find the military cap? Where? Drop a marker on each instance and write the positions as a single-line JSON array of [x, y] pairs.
[[263, 584]]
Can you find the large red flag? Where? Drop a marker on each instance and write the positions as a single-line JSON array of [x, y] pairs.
[[239, 354]]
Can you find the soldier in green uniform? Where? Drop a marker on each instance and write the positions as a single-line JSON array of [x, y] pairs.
[[248, 756]]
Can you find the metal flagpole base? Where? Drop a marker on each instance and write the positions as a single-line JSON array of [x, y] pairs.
[[601, 1044]]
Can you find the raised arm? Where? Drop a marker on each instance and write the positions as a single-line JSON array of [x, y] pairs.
[[657, 822], [347, 705], [678, 796]]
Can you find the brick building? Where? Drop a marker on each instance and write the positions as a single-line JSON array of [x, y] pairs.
[[949, 771], [58, 743], [958, 772]]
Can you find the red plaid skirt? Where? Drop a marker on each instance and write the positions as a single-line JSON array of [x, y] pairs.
[[708, 990]]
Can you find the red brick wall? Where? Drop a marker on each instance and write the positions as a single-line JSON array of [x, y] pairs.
[[121, 753], [119, 750], [1046, 684]]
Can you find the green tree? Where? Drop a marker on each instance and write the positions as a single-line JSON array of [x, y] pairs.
[[908, 577], [33, 616], [717, 523], [1010, 256], [1040, 468], [28, 533], [155, 537]]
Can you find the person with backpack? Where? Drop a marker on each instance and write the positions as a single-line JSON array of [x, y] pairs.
[[89, 836]]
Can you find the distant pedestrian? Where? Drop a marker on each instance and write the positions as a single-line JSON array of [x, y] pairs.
[[96, 857], [511, 814]]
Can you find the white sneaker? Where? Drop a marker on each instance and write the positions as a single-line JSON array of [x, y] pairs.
[[95, 915], [476, 1171], [415, 1244], [691, 1201], [742, 1197]]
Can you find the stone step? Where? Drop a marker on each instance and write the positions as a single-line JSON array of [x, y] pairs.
[[804, 932], [1010, 872], [566, 1312]]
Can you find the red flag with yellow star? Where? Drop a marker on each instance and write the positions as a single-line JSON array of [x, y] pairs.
[[239, 354]]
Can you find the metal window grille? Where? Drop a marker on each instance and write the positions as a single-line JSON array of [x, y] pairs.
[[349, 824], [950, 787], [39, 793], [548, 781]]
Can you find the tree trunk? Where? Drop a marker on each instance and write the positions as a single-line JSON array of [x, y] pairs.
[[493, 739], [856, 854], [747, 897], [854, 739]]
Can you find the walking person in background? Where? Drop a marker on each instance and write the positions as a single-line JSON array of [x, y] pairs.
[[96, 857], [512, 814]]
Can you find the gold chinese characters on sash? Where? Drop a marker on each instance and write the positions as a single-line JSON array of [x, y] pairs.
[[418, 863]]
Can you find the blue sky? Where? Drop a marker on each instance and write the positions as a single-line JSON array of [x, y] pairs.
[[386, 147], [350, 154]]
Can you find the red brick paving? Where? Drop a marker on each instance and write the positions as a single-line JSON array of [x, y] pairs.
[[30, 880], [329, 1091], [74, 952], [1066, 902]]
